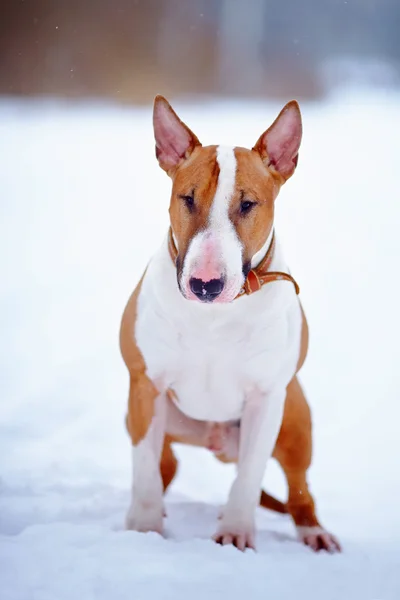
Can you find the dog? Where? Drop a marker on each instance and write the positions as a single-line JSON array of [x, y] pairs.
[[214, 334]]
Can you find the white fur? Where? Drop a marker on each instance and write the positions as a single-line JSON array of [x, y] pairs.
[[304, 532], [259, 428], [146, 510], [212, 356], [258, 256], [317, 538], [220, 230], [198, 433]]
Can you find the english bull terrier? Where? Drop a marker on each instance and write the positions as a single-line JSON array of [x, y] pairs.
[[214, 334]]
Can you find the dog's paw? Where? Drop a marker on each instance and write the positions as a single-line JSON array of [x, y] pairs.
[[240, 536], [145, 517], [318, 539]]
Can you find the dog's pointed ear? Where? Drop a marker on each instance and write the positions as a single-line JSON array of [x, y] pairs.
[[174, 140], [279, 145]]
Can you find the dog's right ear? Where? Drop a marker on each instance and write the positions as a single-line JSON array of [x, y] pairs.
[[174, 140]]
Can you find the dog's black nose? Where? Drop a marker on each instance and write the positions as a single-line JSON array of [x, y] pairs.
[[206, 291]]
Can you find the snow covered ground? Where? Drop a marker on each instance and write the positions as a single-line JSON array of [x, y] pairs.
[[83, 205]]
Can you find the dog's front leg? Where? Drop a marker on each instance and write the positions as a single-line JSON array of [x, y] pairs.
[[259, 428], [146, 423]]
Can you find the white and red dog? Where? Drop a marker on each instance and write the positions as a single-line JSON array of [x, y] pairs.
[[214, 334]]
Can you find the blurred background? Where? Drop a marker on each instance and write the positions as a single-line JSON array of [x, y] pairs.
[[83, 205], [126, 50]]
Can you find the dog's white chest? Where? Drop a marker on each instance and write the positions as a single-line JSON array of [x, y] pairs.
[[210, 356], [209, 371]]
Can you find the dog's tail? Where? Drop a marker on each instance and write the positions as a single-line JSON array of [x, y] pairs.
[[267, 501]]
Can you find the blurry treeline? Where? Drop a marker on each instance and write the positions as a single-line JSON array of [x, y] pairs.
[[131, 49]]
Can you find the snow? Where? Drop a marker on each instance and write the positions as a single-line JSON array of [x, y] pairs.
[[83, 205]]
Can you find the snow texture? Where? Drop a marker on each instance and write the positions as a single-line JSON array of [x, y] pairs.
[[83, 206]]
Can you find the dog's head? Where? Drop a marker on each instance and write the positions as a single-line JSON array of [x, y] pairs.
[[222, 203]]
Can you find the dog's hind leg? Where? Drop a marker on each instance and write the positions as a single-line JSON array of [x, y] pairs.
[[168, 463], [293, 451]]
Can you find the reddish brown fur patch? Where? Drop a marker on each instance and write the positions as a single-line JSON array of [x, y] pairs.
[[294, 451], [253, 182], [142, 391], [196, 177], [168, 463]]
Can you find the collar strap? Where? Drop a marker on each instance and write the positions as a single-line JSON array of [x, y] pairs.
[[256, 277]]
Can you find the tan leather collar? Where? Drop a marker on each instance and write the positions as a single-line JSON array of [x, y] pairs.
[[256, 277]]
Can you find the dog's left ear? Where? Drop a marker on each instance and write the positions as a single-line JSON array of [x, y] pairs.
[[279, 145], [174, 140]]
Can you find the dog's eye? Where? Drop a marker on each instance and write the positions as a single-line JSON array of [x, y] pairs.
[[246, 206], [189, 201]]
